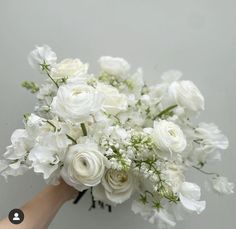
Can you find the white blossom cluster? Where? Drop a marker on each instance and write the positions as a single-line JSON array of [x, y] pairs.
[[113, 133]]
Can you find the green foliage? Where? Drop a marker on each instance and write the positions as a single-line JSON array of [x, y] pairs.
[[30, 86]]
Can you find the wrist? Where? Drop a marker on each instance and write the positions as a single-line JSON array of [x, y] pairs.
[[64, 192]]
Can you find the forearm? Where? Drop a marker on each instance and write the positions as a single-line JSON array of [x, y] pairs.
[[40, 211]]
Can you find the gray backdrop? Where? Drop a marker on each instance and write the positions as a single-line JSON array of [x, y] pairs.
[[195, 36]]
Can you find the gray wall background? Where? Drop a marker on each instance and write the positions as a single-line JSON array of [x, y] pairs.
[[195, 36]]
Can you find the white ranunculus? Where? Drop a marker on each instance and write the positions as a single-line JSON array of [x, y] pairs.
[[114, 102], [84, 166], [116, 187], [69, 68], [189, 194], [114, 65], [42, 55], [222, 185], [187, 95], [48, 153], [168, 136], [76, 102]]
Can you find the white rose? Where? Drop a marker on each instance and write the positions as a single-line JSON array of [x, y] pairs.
[[116, 187], [76, 102], [69, 68], [221, 185], [187, 95], [84, 166], [189, 195], [42, 55], [114, 65], [114, 102], [168, 136]]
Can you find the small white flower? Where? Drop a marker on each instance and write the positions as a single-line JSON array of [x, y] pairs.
[[221, 185], [187, 95], [84, 166], [118, 186], [174, 176], [189, 195], [168, 136], [69, 68], [114, 66], [76, 102], [114, 102], [42, 55]]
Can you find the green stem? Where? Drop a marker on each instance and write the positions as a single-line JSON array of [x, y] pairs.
[[52, 79], [83, 127], [166, 111], [202, 171], [72, 139]]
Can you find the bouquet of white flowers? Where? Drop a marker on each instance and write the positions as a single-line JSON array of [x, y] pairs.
[[120, 138]]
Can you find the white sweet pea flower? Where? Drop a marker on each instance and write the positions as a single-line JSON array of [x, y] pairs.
[[48, 154], [221, 185], [21, 144], [187, 95], [210, 137], [168, 136], [114, 102], [42, 55], [15, 161], [114, 66], [69, 68], [161, 218], [116, 187], [171, 76], [189, 194], [76, 102], [84, 166]]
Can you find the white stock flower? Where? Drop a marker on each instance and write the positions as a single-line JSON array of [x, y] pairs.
[[42, 55], [187, 95], [114, 102], [114, 65], [168, 136], [48, 153], [69, 68], [76, 102], [189, 194], [221, 185], [116, 187], [84, 166]]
